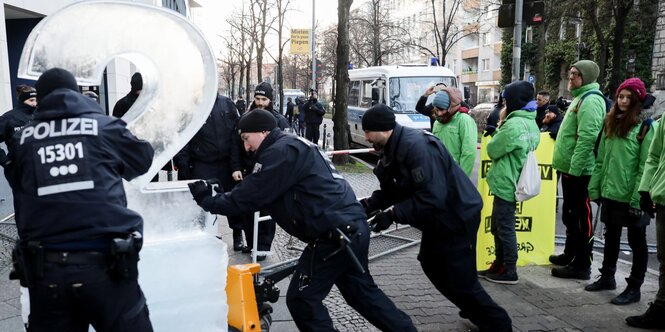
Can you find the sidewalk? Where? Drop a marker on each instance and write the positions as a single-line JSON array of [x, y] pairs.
[[539, 302]]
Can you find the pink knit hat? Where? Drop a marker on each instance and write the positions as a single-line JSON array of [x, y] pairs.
[[636, 86]]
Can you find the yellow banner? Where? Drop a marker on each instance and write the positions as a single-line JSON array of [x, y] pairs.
[[534, 219], [300, 41]]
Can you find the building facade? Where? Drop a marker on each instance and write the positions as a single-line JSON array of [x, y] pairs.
[[658, 64]]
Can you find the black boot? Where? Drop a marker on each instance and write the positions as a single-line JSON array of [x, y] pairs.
[[238, 244], [561, 260], [605, 281], [630, 295], [571, 272], [654, 318]]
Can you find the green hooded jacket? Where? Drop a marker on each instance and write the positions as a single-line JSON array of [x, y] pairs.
[[508, 149], [653, 179], [573, 150], [619, 166], [460, 137]]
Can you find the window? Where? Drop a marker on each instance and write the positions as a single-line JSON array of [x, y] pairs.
[[528, 35], [354, 93], [485, 65], [366, 100], [487, 38], [660, 82]]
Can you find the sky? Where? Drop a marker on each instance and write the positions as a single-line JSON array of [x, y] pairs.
[[211, 18]]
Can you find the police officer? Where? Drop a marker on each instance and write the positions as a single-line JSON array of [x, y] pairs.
[[213, 153], [78, 242], [123, 105], [431, 192], [303, 192], [15, 119]]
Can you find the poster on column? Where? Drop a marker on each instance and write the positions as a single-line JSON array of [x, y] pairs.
[[534, 219]]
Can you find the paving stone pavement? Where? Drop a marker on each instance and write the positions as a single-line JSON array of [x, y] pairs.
[[538, 302]]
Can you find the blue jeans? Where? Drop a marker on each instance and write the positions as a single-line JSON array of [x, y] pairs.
[[503, 229]]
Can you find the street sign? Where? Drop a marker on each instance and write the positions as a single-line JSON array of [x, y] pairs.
[[531, 79]]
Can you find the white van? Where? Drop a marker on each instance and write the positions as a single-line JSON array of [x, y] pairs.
[[399, 86], [293, 94]]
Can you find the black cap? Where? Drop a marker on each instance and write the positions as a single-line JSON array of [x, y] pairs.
[[27, 95], [256, 121], [379, 117], [517, 95], [136, 82], [263, 89], [55, 78]]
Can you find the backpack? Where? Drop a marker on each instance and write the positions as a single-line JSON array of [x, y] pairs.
[[608, 107]]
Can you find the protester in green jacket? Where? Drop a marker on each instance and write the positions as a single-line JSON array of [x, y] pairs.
[[574, 159], [652, 190], [516, 136], [622, 152], [457, 131]]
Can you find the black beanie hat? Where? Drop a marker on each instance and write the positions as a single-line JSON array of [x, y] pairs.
[[517, 95], [263, 89], [55, 78], [27, 95], [256, 121], [136, 82], [379, 117]]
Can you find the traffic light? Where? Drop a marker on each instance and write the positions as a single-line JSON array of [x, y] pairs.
[[533, 13], [319, 70]]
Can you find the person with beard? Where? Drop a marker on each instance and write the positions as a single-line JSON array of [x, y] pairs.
[[313, 117], [622, 153], [304, 193], [263, 95], [457, 131], [574, 158], [543, 102], [15, 119], [552, 121], [515, 136], [123, 105], [429, 191]]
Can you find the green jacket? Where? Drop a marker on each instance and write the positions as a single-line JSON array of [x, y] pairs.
[[573, 150], [460, 137], [508, 149], [619, 167], [653, 179]]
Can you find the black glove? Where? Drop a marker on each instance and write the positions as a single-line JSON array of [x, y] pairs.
[[368, 209], [646, 204], [200, 190], [382, 221], [216, 185]]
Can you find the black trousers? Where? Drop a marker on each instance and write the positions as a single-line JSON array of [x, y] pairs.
[[314, 278], [312, 132], [578, 219], [449, 262], [220, 170], [266, 232], [71, 297]]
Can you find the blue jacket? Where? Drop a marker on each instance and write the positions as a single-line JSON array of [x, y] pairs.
[[297, 185], [66, 172]]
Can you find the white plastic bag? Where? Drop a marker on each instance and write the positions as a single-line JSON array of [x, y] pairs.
[[528, 184]]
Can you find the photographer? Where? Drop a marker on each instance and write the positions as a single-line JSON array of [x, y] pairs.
[[78, 242]]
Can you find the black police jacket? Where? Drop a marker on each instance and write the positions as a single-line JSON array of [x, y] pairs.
[[313, 112], [217, 138], [427, 187], [66, 172], [297, 185], [13, 121], [282, 122]]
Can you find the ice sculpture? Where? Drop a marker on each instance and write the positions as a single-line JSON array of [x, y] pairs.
[[183, 266]]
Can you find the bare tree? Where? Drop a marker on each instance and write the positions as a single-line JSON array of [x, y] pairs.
[[241, 31], [281, 7], [375, 35], [340, 118], [261, 24]]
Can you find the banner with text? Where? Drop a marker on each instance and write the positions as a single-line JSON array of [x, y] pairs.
[[534, 219], [299, 41]]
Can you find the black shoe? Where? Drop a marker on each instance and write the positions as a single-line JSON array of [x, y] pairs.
[[503, 277], [570, 272], [629, 295], [654, 318], [260, 258], [494, 268], [246, 250], [238, 244], [604, 282], [561, 260]]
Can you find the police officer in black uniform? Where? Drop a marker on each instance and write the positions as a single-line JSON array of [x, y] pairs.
[[303, 192], [15, 119], [430, 191], [213, 153], [78, 242]]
